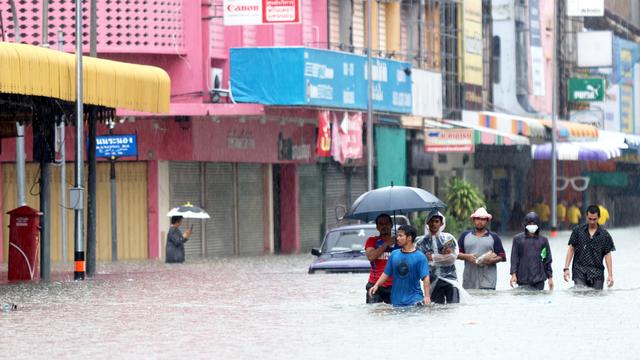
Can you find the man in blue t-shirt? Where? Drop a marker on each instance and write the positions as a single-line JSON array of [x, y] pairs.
[[408, 267]]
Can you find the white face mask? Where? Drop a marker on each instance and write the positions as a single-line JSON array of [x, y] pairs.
[[532, 228]]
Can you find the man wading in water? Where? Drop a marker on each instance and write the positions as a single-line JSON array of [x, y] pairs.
[[588, 245]]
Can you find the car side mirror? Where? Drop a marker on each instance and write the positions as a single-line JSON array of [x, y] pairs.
[[340, 211], [316, 252]]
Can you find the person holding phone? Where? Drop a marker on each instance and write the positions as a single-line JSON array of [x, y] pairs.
[[176, 240]]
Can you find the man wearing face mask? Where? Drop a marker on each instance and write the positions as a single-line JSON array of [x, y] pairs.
[[531, 257]]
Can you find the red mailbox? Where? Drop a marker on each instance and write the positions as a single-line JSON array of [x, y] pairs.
[[24, 243]]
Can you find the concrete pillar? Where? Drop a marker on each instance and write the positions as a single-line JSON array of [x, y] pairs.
[[392, 18], [289, 209], [375, 26]]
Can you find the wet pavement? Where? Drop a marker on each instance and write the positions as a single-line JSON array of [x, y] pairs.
[[268, 307]]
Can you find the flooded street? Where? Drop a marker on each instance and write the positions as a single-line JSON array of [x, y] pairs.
[[270, 308]]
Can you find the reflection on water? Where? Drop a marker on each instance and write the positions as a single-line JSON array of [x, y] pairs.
[[269, 307]]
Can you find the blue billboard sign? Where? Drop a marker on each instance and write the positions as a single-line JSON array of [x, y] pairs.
[[313, 77], [116, 145]]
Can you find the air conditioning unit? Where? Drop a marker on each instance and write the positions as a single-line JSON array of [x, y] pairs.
[[217, 91]]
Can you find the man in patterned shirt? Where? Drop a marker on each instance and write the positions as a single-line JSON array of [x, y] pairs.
[[588, 245]]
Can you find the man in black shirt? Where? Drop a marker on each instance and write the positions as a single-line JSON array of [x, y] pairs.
[[588, 245]]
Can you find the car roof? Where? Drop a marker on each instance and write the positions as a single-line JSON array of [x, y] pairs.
[[354, 227]]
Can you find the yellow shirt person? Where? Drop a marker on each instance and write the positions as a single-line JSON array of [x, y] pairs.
[[562, 213], [604, 215], [573, 215]]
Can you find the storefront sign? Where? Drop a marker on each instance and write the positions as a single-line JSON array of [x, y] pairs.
[[116, 145], [261, 12], [448, 140], [240, 140], [323, 147], [289, 150], [585, 7], [314, 77], [591, 89]]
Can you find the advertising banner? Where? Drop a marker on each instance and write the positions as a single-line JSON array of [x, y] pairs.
[[537, 55], [323, 147], [313, 77], [472, 47], [346, 133]]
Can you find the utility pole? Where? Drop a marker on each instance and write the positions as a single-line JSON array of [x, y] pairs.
[[369, 102], [91, 158], [78, 191], [554, 124]]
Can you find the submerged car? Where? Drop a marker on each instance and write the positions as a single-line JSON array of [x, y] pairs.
[[343, 250]]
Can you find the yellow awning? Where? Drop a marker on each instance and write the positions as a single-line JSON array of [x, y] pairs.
[[37, 71]]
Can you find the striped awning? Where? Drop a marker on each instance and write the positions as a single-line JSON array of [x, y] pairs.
[[571, 131], [579, 150], [36, 71], [506, 123], [489, 136]]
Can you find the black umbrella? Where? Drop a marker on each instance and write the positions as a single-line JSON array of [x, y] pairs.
[[392, 199]]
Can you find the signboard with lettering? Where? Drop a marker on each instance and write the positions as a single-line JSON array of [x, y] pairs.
[[261, 12], [591, 89], [116, 145], [448, 140], [585, 7], [294, 76]]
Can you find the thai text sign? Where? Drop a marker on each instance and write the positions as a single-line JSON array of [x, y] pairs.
[[591, 89], [261, 12], [116, 145], [448, 140]]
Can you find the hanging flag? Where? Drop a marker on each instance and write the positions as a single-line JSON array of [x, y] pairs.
[[323, 148], [336, 149]]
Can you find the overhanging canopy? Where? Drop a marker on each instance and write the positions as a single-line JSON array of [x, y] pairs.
[[578, 150], [36, 71], [571, 131]]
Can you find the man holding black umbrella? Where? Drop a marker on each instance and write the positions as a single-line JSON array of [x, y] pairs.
[[378, 248]]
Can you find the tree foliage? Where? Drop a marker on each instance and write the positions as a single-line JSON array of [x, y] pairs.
[[463, 198]]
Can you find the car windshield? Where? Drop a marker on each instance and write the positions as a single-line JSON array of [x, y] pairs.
[[347, 240]]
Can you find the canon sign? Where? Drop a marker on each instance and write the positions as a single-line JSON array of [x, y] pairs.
[[261, 12]]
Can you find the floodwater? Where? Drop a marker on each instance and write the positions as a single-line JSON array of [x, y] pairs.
[[270, 308]]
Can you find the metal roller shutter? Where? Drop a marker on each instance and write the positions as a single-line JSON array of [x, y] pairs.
[[220, 228], [186, 187], [250, 209], [310, 206], [358, 182], [336, 185]]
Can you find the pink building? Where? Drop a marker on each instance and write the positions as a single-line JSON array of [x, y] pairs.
[[231, 159]]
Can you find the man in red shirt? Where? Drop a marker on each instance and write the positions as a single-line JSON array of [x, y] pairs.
[[378, 249]]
